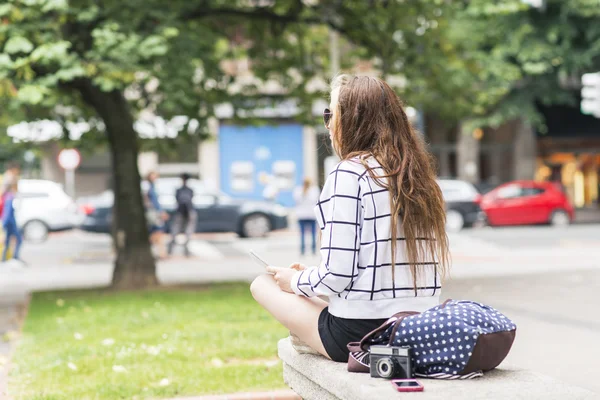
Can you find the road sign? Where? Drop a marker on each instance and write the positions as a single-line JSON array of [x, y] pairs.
[[590, 94], [69, 159]]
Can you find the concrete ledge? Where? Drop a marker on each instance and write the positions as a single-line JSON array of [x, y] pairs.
[[316, 378]]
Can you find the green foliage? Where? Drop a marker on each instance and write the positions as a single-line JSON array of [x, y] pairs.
[[151, 344], [527, 56], [481, 60]]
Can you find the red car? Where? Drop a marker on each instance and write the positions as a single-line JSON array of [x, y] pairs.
[[527, 202]]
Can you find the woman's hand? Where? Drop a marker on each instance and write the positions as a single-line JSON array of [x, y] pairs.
[[298, 266], [283, 277]]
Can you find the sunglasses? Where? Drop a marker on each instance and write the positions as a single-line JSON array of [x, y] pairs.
[[327, 117]]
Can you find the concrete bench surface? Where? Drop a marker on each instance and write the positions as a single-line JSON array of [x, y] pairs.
[[316, 378]]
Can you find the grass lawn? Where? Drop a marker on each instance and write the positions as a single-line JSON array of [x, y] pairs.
[[147, 344]]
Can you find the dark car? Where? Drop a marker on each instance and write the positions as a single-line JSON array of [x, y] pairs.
[[216, 212], [462, 204]]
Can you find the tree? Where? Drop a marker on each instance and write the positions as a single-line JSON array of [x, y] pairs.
[[513, 57]]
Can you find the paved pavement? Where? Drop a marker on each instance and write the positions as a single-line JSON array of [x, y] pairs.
[[546, 279], [83, 260]]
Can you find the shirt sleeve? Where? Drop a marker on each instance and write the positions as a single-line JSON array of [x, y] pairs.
[[339, 215]]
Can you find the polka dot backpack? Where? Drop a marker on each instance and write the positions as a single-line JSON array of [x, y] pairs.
[[455, 340]]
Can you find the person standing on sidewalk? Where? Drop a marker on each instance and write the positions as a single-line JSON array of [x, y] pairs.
[[306, 197], [185, 216], [9, 222], [155, 216]]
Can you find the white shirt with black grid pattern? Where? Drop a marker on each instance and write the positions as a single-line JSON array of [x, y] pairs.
[[353, 213]]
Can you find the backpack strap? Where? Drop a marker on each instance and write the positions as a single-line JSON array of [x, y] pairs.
[[358, 359], [396, 320]]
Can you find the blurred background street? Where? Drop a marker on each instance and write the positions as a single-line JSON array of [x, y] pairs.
[[122, 122]]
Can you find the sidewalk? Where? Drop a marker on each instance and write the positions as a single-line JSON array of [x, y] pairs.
[[588, 215], [472, 257]]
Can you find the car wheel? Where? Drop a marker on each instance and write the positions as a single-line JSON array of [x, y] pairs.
[[454, 221], [256, 225], [559, 218], [35, 231]]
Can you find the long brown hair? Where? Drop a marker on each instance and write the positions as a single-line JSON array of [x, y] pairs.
[[369, 121]]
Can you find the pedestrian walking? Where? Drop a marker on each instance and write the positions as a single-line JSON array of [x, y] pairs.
[[306, 197], [155, 216], [9, 222], [185, 217]]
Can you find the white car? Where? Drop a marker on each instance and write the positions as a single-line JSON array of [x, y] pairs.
[[43, 206]]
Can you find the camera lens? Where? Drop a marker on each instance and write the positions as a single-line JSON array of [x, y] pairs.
[[385, 367]]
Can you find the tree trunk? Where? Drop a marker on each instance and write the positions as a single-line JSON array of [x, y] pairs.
[[134, 265]]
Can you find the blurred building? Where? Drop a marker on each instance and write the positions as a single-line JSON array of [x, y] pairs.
[[568, 153]]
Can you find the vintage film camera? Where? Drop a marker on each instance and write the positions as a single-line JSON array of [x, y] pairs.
[[390, 362]]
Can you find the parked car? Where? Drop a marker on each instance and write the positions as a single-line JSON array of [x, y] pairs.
[[42, 207], [527, 202], [216, 212], [462, 204]]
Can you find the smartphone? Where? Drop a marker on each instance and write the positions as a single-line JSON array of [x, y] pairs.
[[258, 260], [407, 385]]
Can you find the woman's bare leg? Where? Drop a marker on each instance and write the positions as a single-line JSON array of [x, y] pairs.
[[299, 314]]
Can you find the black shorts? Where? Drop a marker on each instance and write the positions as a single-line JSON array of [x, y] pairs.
[[337, 332]]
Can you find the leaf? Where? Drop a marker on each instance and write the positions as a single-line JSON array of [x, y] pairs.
[[5, 9], [31, 94], [171, 32], [50, 51], [70, 73], [153, 46], [18, 44], [5, 62], [55, 5], [89, 14], [106, 84]]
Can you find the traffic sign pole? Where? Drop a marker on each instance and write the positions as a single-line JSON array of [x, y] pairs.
[[70, 182]]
